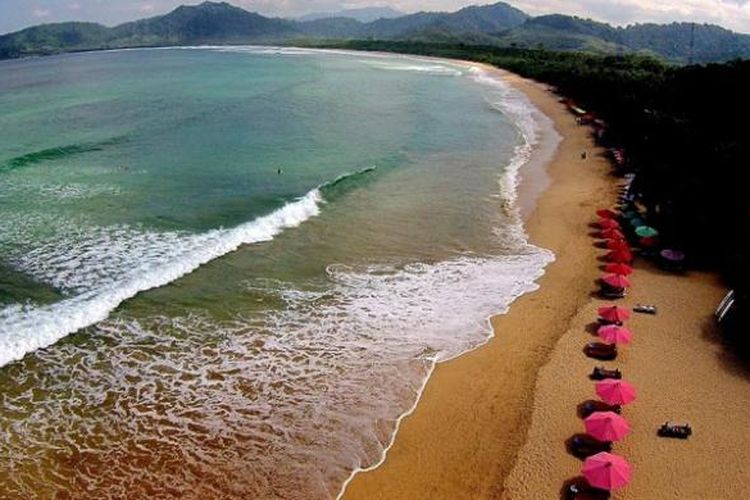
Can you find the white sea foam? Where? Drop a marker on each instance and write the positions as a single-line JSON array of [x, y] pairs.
[[431, 69], [299, 397], [113, 265]]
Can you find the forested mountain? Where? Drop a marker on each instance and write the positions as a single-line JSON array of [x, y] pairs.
[[499, 25], [365, 14]]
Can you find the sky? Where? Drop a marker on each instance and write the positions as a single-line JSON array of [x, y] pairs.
[[732, 14]]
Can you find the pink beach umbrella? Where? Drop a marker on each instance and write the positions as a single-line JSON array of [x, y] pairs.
[[618, 245], [619, 256], [613, 334], [615, 392], [613, 314], [616, 280], [607, 471], [606, 426], [606, 213], [608, 224], [612, 234], [616, 268]]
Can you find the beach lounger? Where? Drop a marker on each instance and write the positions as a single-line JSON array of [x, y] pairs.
[[598, 350], [589, 407], [601, 373], [611, 293], [644, 309], [675, 431], [583, 446], [579, 489]]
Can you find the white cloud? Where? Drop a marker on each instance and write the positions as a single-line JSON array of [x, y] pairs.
[[40, 13], [74, 6]]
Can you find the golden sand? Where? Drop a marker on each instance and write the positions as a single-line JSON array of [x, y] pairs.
[[462, 439], [493, 423]]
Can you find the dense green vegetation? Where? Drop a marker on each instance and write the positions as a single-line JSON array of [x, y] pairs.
[[681, 127], [498, 25], [683, 130]]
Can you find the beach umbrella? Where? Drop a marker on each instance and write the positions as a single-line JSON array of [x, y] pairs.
[[606, 426], [621, 256], [615, 391], [614, 314], [608, 224], [630, 214], [612, 234], [648, 242], [616, 280], [606, 213], [613, 334], [618, 245], [607, 471], [623, 269], [672, 255], [646, 232]]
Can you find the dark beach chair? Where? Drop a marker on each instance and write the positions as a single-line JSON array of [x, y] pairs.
[[580, 489], [598, 350], [583, 446], [600, 373], [675, 431], [588, 407], [645, 309], [611, 293], [603, 321]]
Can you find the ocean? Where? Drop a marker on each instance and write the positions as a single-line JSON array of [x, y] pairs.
[[227, 272]]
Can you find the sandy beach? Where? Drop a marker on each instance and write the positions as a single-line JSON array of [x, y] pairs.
[[462, 439], [493, 423]]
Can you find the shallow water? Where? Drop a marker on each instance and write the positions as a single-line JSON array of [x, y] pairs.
[[226, 272]]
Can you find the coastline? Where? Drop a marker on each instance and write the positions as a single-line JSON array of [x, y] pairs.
[[462, 437]]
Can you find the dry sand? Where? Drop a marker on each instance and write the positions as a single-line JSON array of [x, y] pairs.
[[493, 423], [462, 439], [682, 372]]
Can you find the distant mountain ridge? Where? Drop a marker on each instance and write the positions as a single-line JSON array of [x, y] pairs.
[[363, 15], [498, 24]]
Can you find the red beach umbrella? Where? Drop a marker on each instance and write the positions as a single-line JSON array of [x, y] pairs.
[[608, 224], [613, 334], [616, 280], [622, 269], [607, 471], [615, 391], [614, 314], [606, 426], [612, 234], [648, 242], [606, 213], [620, 256], [618, 245]]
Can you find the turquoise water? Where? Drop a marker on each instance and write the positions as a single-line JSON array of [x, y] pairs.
[[226, 272]]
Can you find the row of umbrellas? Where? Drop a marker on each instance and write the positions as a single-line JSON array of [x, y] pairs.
[[648, 237], [606, 470]]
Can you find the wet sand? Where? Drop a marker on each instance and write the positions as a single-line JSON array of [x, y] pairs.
[[463, 437]]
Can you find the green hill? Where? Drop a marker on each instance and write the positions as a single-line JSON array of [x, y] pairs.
[[498, 25]]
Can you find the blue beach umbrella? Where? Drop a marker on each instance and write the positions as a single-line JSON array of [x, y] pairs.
[[646, 232]]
